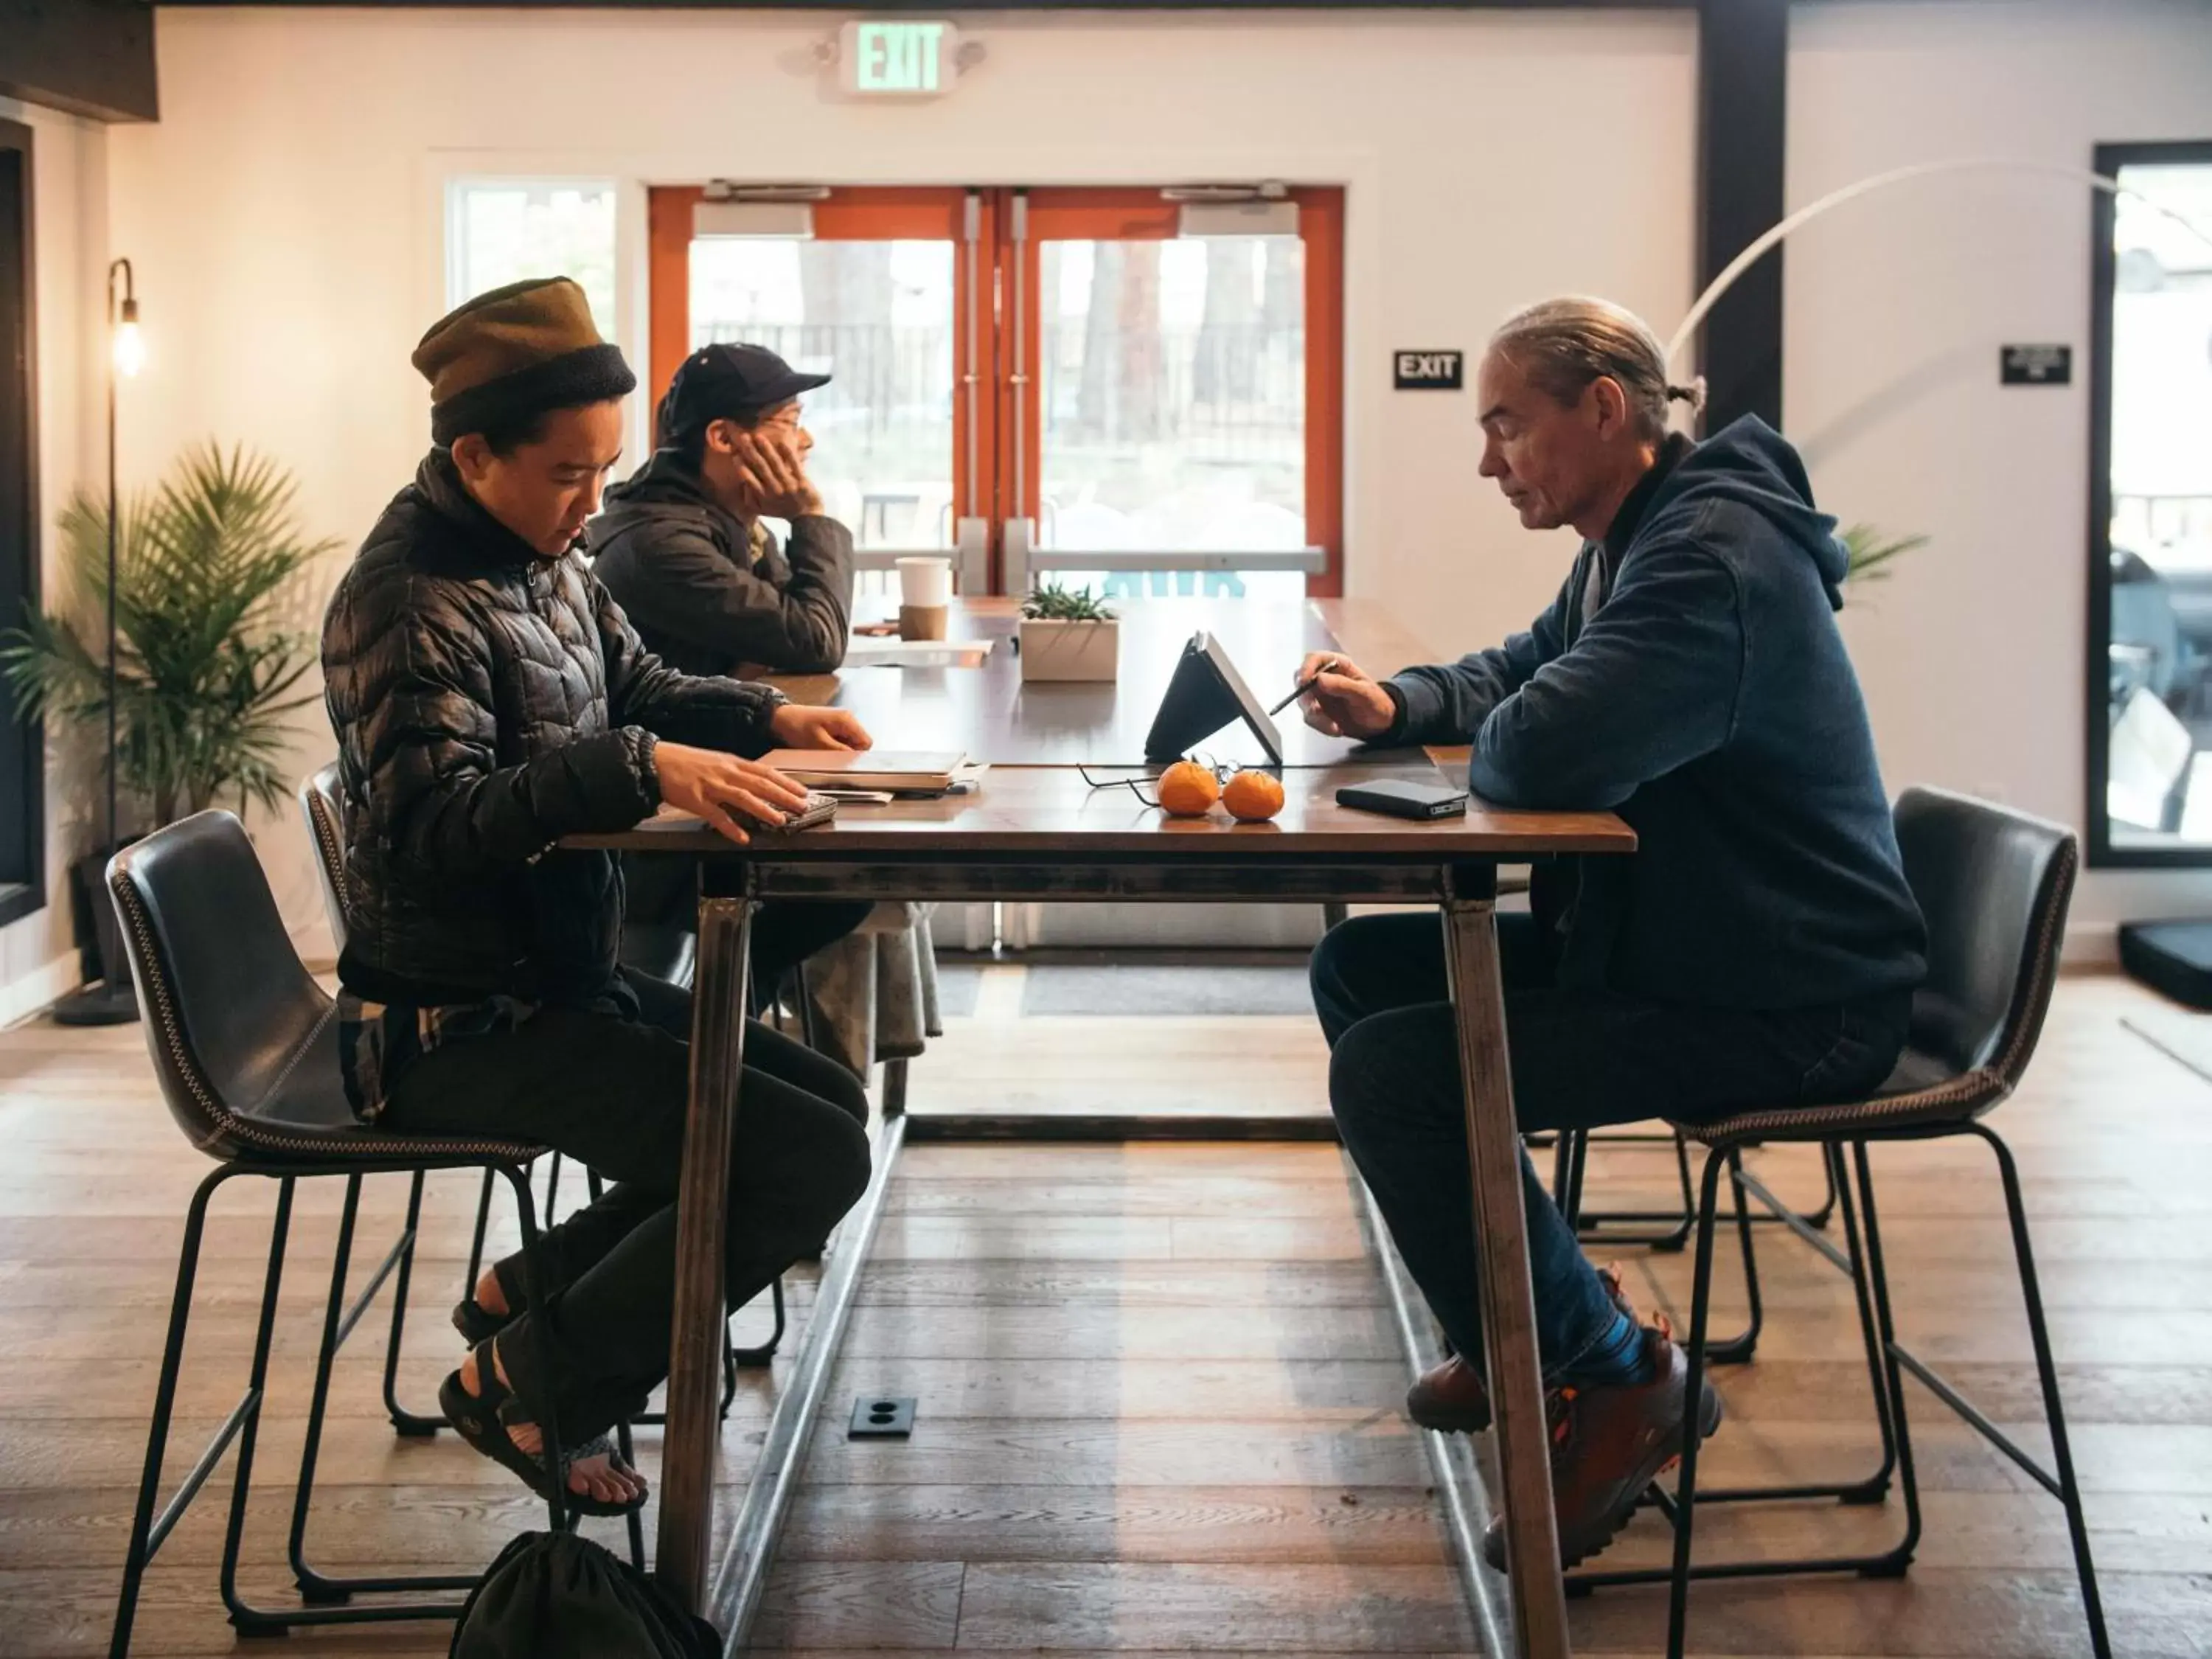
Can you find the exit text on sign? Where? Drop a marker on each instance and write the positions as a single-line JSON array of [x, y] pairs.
[[900, 57]]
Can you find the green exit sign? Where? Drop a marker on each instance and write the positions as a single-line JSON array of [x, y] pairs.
[[896, 58]]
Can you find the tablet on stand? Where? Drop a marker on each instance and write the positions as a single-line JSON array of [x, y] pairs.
[[1206, 694]]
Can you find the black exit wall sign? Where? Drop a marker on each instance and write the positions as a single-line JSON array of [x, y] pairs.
[[2036, 365], [1428, 371]]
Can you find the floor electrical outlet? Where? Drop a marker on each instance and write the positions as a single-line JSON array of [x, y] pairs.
[[877, 1417]]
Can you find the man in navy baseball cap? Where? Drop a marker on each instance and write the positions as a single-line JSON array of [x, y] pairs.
[[681, 546]]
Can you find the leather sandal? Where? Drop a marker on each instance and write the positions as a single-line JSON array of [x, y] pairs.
[[482, 1419], [478, 1324]]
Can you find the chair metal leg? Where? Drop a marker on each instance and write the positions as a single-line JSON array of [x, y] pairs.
[[633, 1523], [248, 1620], [313, 1588], [410, 1424], [1685, 1485], [1605, 1227], [1899, 1559], [1739, 1349], [317, 1589], [1682, 1176], [1851, 1262], [1616, 1228], [1577, 1168], [753, 1358], [1875, 1487], [1818, 1218], [1860, 1263], [553, 1187], [320, 1592], [2046, 1369], [476, 1242], [146, 1535]]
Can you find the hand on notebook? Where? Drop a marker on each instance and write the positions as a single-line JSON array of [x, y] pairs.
[[723, 790], [799, 725]]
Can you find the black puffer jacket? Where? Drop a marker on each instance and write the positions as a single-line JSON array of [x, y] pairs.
[[488, 702]]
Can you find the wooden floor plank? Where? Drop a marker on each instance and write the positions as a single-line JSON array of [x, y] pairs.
[[1158, 1386], [1172, 1606], [1384, 1525]]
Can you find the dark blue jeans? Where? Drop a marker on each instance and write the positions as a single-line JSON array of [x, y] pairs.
[[1581, 1059]]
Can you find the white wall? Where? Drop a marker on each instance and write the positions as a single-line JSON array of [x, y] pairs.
[[283, 214], [284, 217], [1897, 304], [38, 954]]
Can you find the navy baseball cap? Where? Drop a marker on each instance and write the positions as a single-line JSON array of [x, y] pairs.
[[728, 382]]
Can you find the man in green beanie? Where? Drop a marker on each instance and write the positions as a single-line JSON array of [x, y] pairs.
[[490, 698]]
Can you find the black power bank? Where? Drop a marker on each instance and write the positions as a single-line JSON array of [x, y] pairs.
[[1402, 799]]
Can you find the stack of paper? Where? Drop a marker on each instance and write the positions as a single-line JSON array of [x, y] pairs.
[[868, 651]]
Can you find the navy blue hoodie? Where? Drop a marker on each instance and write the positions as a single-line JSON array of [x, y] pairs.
[[1708, 700]]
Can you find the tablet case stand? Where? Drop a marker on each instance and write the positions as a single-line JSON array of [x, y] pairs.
[[1206, 694]]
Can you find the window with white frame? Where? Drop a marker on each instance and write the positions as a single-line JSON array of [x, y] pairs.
[[505, 230]]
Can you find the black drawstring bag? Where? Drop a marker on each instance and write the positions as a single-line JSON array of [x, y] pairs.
[[554, 1595]]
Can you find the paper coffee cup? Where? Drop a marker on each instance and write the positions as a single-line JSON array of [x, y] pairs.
[[925, 583]]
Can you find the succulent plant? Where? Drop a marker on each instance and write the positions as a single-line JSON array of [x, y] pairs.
[[1053, 603]]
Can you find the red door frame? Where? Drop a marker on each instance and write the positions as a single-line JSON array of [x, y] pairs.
[[935, 213]]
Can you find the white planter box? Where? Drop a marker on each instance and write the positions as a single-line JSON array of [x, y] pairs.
[[1054, 650]]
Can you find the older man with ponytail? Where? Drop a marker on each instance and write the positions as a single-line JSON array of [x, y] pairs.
[[1759, 949]]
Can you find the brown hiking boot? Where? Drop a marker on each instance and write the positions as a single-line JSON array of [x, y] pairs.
[[1451, 1398], [1609, 1442]]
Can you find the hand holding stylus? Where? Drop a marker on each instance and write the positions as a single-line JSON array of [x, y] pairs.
[[1338, 700]]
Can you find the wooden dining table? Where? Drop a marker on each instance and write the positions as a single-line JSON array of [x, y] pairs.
[[1041, 827]]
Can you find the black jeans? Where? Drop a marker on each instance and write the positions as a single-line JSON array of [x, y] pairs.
[[1581, 1059], [611, 1094]]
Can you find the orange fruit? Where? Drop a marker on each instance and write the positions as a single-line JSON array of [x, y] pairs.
[[1189, 790], [1254, 796]]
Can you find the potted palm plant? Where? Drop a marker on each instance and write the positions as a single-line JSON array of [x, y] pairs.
[[206, 674], [1871, 551], [1068, 636]]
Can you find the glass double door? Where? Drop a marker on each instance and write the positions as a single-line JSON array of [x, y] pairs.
[[1098, 387]]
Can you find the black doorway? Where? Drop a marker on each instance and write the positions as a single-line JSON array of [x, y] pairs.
[[22, 773]]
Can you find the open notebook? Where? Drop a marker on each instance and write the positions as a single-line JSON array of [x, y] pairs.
[[906, 770]]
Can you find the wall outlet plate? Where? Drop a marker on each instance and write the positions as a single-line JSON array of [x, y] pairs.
[[880, 1417]]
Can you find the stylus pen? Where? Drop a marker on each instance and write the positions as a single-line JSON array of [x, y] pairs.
[[1303, 687]]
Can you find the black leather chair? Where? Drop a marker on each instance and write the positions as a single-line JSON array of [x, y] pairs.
[[1994, 886], [245, 1046], [321, 802]]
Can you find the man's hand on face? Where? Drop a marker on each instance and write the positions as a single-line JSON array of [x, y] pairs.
[[724, 790], [797, 726], [1344, 701], [775, 473]]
